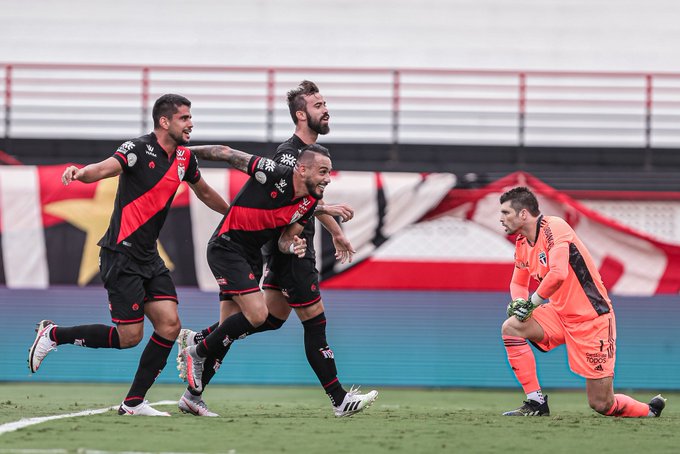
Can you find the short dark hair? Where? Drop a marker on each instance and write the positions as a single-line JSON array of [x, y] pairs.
[[296, 100], [166, 106], [313, 148], [521, 198]]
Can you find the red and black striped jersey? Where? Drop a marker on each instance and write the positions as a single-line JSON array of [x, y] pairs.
[[146, 189], [263, 207]]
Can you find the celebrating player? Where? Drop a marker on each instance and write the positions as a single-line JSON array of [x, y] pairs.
[[138, 283]]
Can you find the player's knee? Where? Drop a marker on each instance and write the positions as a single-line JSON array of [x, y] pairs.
[[257, 316], [172, 328], [600, 405], [130, 338], [511, 327]]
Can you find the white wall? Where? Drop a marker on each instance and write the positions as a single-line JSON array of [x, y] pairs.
[[618, 35]]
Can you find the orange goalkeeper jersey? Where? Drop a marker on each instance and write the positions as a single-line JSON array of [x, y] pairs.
[[567, 274]]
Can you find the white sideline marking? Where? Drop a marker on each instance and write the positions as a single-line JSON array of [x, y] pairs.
[[25, 422]]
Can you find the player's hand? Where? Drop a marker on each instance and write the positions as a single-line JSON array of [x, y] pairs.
[[343, 249], [340, 210], [69, 175], [520, 308], [299, 246]]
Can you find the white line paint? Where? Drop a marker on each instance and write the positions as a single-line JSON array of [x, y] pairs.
[[25, 422]]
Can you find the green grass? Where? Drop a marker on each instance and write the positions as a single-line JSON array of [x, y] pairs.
[[299, 420]]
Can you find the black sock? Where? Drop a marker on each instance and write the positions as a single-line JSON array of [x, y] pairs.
[[205, 332], [320, 357], [153, 360], [92, 336], [217, 343], [271, 323]]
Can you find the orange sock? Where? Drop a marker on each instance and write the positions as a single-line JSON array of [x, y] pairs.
[[522, 361], [627, 407]]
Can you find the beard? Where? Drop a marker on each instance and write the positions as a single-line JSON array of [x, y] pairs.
[[312, 189], [179, 138], [317, 127]]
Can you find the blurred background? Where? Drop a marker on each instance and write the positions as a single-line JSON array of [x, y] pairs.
[[437, 107]]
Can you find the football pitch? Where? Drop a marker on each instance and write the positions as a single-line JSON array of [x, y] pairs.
[[299, 420]]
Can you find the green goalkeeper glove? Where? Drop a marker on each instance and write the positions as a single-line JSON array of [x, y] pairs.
[[521, 309]]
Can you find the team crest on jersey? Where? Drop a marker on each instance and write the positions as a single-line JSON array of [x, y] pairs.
[[132, 159], [181, 171], [126, 146], [288, 160], [261, 177], [542, 258]]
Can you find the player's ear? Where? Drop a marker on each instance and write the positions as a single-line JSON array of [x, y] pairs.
[[301, 115], [164, 122]]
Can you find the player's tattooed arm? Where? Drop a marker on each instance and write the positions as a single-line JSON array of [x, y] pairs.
[[236, 158]]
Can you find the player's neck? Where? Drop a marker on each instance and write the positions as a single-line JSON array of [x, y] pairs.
[[308, 136], [530, 230], [166, 142]]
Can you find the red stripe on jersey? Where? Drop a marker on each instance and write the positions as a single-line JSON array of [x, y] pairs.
[[122, 156], [258, 219], [136, 213], [255, 161]]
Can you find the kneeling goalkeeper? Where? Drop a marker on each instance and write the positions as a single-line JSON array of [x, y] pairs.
[[570, 306]]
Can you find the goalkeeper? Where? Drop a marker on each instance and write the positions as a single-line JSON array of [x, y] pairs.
[[570, 306]]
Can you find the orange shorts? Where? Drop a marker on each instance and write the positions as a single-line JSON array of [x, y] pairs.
[[591, 345]]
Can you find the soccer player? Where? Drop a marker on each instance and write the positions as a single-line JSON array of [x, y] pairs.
[[151, 168], [291, 282], [570, 306], [264, 193]]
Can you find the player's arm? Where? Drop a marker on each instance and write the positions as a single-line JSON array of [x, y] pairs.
[[107, 168], [341, 210], [519, 284], [290, 242], [237, 159], [343, 248], [209, 196]]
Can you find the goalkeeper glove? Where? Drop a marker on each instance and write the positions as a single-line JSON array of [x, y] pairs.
[[521, 309]]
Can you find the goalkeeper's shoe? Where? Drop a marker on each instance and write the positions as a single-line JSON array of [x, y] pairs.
[[355, 402], [143, 409], [195, 406], [185, 339], [42, 345], [530, 408], [657, 404]]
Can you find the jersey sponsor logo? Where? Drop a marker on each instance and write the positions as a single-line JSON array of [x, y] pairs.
[[260, 177], [599, 368], [126, 146], [181, 170], [274, 194], [132, 159], [288, 160], [549, 237], [521, 265], [596, 358], [149, 151], [221, 281], [542, 258], [281, 186], [152, 165], [180, 154], [126, 243], [266, 164]]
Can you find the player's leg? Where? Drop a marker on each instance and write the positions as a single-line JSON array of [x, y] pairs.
[[126, 295], [302, 283], [591, 349], [521, 357]]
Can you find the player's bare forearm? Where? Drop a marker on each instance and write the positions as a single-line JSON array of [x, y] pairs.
[[235, 158], [329, 223]]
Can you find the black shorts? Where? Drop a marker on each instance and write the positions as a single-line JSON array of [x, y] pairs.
[[130, 284], [296, 278], [234, 273]]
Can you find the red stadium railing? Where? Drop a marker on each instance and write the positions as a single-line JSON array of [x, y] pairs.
[[534, 108]]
